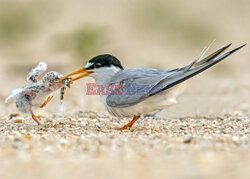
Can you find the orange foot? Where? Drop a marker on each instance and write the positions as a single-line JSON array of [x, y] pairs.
[[35, 119], [46, 102], [130, 124]]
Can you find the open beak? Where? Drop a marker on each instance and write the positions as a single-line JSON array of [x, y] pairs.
[[82, 73]]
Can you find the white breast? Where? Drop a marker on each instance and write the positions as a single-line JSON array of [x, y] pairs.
[[102, 76]]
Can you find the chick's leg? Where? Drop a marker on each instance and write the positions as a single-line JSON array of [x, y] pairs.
[[35, 119], [46, 102], [130, 124]]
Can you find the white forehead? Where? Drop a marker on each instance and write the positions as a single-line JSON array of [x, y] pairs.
[[89, 64]]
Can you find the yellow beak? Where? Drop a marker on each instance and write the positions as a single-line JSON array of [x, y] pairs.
[[81, 71]]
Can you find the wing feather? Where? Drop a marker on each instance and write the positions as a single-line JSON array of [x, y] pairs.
[[140, 84]]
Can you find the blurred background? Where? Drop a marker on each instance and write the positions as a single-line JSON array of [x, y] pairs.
[[159, 34], [163, 34]]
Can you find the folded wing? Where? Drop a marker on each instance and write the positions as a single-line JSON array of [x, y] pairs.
[[139, 84]]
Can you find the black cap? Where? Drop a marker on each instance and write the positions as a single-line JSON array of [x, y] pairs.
[[105, 60]]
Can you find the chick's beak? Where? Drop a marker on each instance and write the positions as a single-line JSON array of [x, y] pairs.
[[82, 73]]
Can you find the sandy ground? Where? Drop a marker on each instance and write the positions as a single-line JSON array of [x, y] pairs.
[[86, 145]]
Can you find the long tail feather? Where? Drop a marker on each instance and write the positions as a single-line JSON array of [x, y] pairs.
[[189, 72], [204, 51], [212, 56]]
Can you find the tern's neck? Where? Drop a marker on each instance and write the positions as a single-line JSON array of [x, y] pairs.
[[104, 74]]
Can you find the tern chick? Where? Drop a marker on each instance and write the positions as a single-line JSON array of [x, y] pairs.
[[32, 96]]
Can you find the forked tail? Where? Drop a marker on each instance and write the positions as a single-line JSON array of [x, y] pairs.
[[196, 67]]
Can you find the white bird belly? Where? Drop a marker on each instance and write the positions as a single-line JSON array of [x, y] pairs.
[[151, 104]]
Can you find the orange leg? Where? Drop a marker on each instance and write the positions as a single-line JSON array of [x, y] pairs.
[[46, 102], [130, 124], [35, 119]]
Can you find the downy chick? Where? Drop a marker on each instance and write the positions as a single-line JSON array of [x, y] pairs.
[[32, 96]]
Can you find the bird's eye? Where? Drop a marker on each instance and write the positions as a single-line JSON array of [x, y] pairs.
[[98, 65], [56, 78]]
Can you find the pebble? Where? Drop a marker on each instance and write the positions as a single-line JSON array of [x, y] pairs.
[[89, 132]]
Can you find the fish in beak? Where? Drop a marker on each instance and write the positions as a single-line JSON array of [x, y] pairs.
[[83, 73]]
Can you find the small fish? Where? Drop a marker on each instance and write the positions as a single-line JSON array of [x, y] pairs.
[[67, 83], [62, 94]]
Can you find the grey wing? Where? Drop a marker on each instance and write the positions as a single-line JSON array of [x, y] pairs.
[[36, 72], [133, 86], [160, 80]]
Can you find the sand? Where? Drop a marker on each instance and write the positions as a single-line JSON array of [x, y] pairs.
[[87, 145]]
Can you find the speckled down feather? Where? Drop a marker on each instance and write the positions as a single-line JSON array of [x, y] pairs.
[[36, 72], [35, 94]]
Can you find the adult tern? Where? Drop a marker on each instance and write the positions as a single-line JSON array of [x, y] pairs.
[[133, 92]]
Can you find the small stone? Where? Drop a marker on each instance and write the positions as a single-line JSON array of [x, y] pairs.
[[19, 121], [92, 115], [13, 115], [235, 138], [27, 138]]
